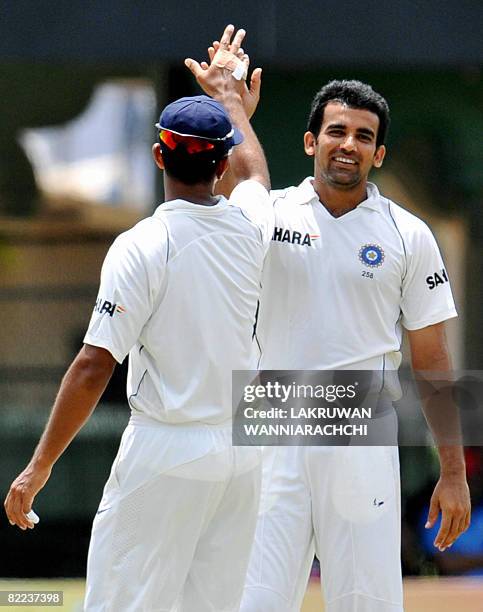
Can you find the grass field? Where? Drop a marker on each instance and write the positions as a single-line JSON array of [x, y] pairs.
[[421, 595], [425, 595]]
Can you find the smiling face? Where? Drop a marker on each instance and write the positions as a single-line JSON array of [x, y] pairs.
[[345, 149]]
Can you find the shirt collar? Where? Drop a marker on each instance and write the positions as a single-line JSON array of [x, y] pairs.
[[306, 194], [373, 200], [191, 206]]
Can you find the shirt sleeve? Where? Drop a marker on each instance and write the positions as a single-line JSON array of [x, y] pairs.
[[254, 200], [426, 291], [124, 302]]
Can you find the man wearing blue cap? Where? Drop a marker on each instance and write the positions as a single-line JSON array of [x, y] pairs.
[[179, 294]]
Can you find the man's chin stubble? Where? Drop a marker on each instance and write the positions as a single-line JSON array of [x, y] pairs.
[[341, 185]]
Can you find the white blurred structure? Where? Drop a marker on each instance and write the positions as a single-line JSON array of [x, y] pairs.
[[103, 155]]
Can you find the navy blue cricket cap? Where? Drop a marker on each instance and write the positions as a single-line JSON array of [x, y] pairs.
[[200, 117]]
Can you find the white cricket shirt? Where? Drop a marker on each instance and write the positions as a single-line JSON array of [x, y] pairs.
[[179, 293], [338, 291]]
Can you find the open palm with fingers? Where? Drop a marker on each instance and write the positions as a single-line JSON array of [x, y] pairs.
[[224, 56]]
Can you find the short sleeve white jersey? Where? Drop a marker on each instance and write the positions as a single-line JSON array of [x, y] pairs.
[[338, 291], [179, 292]]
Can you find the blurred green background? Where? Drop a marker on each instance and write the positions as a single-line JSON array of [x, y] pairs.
[[54, 57]]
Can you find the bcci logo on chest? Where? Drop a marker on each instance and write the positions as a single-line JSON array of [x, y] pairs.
[[371, 255]]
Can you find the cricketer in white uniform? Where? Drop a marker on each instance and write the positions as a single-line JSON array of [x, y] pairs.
[[179, 510], [179, 294], [339, 288]]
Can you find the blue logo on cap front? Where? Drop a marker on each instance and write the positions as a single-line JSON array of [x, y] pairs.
[[371, 255]]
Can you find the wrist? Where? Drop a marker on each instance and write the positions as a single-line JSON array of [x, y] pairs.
[[453, 469], [452, 461], [453, 473], [230, 98], [41, 462]]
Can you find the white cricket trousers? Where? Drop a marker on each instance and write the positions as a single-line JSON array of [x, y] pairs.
[[343, 503], [176, 522]]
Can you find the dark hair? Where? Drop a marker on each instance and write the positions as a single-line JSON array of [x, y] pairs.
[[353, 94], [192, 168]]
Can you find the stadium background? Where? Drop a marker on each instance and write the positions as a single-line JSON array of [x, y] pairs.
[[426, 59]]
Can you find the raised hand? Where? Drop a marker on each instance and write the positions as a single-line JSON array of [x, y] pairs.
[[217, 78], [250, 94], [225, 55], [223, 79]]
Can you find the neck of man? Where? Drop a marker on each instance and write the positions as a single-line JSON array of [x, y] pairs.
[[339, 200], [199, 193]]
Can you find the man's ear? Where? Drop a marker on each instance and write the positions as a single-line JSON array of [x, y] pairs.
[[158, 156], [310, 143], [222, 167], [379, 156]]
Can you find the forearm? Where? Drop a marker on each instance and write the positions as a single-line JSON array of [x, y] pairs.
[[218, 81], [248, 159], [227, 183], [443, 419], [439, 408], [80, 390], [432, 365], [78, 395]]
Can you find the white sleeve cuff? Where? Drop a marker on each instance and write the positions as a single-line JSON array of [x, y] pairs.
[[432, 320], [104, 343]]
